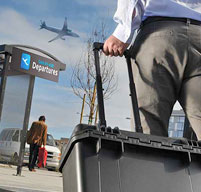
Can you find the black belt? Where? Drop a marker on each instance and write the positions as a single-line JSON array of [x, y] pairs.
[[183, 20]]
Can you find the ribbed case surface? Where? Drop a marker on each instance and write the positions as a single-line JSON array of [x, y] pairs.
[[96, 161]]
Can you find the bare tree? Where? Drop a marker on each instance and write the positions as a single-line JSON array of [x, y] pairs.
[[84, 77]]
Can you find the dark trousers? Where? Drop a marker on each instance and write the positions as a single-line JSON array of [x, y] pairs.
[[34, 148]]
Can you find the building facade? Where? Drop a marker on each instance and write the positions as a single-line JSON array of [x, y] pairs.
[[176, 124]]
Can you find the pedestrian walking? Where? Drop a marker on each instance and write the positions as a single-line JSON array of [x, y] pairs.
[[36, 137]]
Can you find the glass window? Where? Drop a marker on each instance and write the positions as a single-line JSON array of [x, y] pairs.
[[16, 136], [170, 133], [175, 134], [176, 119], [2, 134], [14, 103], [171, 126], [181, 119], [5, 135], [175, 127], [171, 119], [10, 134], [180, 133], [180, 126], [20, 135], [50, 140]]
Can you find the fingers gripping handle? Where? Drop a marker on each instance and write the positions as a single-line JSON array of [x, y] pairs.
[[99, 46]]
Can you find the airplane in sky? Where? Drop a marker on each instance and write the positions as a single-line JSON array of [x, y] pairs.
[[61, 32]]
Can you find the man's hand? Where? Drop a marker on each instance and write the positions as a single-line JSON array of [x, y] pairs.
[[114, 47]]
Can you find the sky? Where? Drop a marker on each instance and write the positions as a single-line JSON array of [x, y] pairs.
[[19, 24]]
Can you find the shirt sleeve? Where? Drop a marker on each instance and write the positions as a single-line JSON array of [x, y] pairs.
[[127, 21]]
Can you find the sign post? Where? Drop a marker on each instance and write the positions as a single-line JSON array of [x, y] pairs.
[[25, 125]]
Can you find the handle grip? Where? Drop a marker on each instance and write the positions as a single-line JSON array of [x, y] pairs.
[[99, 46]]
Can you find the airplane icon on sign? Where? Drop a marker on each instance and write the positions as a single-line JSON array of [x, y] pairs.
[[25, 61]]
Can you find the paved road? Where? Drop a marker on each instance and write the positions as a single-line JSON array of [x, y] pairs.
[[39, 181]]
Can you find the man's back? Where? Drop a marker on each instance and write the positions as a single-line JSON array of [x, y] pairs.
[[130, 14], [38, 133], [172, 8]]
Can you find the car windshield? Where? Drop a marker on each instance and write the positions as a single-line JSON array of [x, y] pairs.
[[2, 135], [50, 140]]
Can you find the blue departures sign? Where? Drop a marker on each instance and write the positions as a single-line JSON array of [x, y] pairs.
[[36, 65], [25, 61]]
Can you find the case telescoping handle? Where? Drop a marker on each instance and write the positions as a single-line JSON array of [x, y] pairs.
[[96, 47], [133, 94], [99, 46]]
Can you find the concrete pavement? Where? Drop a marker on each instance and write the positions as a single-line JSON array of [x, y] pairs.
[[40, 181]]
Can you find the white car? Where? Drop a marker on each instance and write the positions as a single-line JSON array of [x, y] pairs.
[[10, 146]]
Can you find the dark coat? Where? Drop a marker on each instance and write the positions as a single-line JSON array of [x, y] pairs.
[[37, 133]]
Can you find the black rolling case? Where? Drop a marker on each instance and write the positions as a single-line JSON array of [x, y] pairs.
[[101, 159]]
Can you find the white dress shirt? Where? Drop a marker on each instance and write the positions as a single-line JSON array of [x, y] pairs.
[[130, 13]]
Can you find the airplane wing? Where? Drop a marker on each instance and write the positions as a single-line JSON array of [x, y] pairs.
[[57, 37], [65, 26]]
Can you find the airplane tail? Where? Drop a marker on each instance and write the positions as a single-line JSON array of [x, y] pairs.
[[65, 26], [42, 25]]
